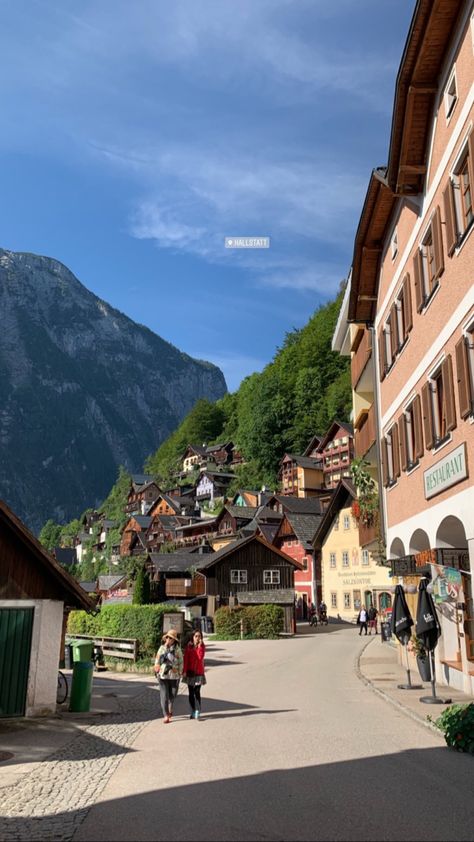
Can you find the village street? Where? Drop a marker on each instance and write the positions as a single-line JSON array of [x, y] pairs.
[[293, 744]]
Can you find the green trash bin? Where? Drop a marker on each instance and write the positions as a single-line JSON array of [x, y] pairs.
[[82, 672]]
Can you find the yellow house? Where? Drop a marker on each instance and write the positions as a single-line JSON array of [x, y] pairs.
[[300, 476], [350, 576]]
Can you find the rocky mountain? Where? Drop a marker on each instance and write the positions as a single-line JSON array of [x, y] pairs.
[[83, 389]]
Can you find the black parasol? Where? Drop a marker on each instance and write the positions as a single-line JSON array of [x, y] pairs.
[[402, 623], [428, 630]]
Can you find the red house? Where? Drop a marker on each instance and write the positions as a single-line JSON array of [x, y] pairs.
[[295, 537]]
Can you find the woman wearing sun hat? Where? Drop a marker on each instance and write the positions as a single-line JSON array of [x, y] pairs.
[[169, 669]]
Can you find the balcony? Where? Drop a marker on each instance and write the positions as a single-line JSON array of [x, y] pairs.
[[367, 535], [361, 358], [178, 587], [365, 431]]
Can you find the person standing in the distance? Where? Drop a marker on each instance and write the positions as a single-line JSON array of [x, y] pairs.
[[362, 620], [193, 672], [169, 669], [372, 616]]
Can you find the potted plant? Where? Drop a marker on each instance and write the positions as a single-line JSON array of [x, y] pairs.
[[416, 646], [457, 725]]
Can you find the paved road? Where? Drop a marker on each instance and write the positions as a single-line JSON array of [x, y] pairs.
[[292, 746]]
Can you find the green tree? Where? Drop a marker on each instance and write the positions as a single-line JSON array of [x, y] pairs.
[[50, 535], [141, 592]]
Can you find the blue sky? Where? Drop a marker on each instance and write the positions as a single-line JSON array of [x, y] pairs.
[[137, 134]]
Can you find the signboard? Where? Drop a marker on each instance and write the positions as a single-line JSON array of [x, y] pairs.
[[417, 565], [173, 621], [447, 583], [451, 469]]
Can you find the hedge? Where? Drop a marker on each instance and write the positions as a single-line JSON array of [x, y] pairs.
[[143, 622], [260, 621]]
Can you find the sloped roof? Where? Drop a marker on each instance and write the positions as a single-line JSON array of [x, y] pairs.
[[308, 505], [304, 526], [229, 549], [312, 445], [303, 461], [108, 582], [342, 494], [142, 520], [268, 530], [73, 595], [244, 512], [331, 433], [65, 555], [141, 479], [88, 587], [176, 562]]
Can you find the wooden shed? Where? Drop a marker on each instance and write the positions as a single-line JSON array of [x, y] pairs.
[[35, 595]]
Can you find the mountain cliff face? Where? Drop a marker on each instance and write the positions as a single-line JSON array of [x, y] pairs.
[[83, 389]]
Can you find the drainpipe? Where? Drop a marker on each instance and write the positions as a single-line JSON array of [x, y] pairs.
[[383, 524]]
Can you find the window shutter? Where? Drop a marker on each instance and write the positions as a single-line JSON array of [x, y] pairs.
[[438, 242], [383, 445], [418, 280], [450, 214], [382, 359], [395, 451], [464, 386], [418, 428], [448, 385], [407, 314], [470, 160], [427, 415], [402, 435], [394, 339]]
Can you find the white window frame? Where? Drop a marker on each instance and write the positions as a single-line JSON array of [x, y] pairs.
[[433, 378], [333, 599], [345, 558], [346, 522], [365, 558], [394, 244], [271, 577], [461, 227], [390, 466], [347, 599], [238, 577], [336, 524], [469, 335], [450, 95], [332, 560]]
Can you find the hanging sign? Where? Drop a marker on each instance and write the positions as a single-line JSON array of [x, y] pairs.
[[446, 583]]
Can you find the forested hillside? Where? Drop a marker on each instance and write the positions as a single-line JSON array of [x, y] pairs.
[[297, 395]]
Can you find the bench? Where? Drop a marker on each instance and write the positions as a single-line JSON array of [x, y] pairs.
[[115, 647]]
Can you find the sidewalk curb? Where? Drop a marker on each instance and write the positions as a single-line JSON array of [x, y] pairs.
[[411, 714]]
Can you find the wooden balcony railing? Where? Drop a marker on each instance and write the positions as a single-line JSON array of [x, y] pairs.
[[365, 434], [361, 358], [367, 534], [178, 587]]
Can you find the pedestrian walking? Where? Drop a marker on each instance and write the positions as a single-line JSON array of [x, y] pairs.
[[193, 672], [362, 620], [372, 617], [169, 669]]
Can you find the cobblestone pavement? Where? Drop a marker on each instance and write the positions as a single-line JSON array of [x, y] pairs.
[[51, 801]]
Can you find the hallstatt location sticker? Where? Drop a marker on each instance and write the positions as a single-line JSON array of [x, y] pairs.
[[247, 242]]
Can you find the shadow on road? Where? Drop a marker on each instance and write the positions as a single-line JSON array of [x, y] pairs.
[[411, 795]]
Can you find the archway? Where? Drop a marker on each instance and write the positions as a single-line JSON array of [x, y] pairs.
[[419, 541], [397, 549], [451, 534], [385, 601]]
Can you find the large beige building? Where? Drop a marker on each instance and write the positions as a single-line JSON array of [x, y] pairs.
[[350, 574]]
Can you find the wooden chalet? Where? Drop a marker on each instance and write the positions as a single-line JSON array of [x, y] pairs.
[[207, 455], [177, 576], [192, 534], [230, 521], [212, 485], [294, 537], [114, 588], [301, 476], [136, 524], [251, 571], [36, 594], [162, 530], [143, 491], [165, 504], [336, 450]]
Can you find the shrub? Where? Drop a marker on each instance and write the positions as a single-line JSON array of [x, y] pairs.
[[260, 621], [457, 725], [143, 622]]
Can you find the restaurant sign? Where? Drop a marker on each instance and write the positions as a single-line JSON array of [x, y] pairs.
[[450, 470]]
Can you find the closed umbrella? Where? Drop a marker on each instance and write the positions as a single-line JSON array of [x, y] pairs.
[[402, 623], [428, 630]]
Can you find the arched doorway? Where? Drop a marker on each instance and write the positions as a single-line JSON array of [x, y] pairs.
[[419, 541], [397, 549], [451, 535], [385, 601], [368, 599]]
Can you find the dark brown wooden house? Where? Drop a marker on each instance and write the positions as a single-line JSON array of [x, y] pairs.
[[251, 571], [35, 595], [143, 491]]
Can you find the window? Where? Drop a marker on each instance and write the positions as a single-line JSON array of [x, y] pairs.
[[305, 563], [365, 558], [346, 522], [238, 577], [437, 398], [457, 197], [332, 559], [271, 577], [450, 95], [429, 262], [390, 457], [396, 328], [347, 600], [333, 600], [345, 558], [394, 244], [410, 435], [336, 524], [465, 372]]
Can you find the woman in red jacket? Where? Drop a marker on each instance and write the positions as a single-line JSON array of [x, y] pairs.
[[193, 672]]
